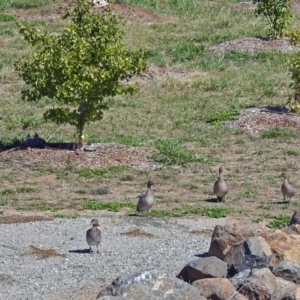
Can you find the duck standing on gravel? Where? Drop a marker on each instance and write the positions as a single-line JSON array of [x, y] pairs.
[[220, 186], [93, 235], [287, 189], [146, 201]]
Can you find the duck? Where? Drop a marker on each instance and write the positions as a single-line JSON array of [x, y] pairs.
[[287, 189], [220, 186], [93, 235], [146, 201]]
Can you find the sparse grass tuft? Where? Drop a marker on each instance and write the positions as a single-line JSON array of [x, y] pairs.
[[66, 216], [278, 132], [93, 173], [100, 191]]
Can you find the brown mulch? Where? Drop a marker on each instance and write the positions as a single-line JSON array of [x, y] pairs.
[[99, 156], [255, 120], [138, 233], [252, 44]]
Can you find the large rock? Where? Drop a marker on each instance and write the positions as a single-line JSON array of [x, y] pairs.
[[224, 237], [288, 271], [150, 285], [295, 218], [208, 267], [255, 252], [284, 246], [217, 289], [239, 279], [286, 290], [261, 285]]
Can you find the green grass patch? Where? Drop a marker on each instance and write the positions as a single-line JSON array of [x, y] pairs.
[[292, 152], [93, 173], [66, 216], [15, 4], [170, 152], [279, 221], [278, 132], [250, 193], [6, 18], [111, 206], [188, 209]]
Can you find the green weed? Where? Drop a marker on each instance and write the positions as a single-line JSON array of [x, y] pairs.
[[111, 206], [279, 221], [93, 173], [250, 193], [215, 212], [293, 152], [6, 18]]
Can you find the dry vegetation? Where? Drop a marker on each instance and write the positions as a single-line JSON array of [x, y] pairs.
[[172, 131]]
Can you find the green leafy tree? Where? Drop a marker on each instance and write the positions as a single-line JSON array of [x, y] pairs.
[[278, 14], [80, 67], [293, 60]]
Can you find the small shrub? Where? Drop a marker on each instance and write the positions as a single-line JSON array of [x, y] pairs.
[[278, 14]]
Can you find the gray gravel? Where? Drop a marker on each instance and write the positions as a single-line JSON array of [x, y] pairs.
[[25, 276]]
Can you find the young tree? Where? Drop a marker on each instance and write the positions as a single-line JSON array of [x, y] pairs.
[[80, 66], [278, 14]]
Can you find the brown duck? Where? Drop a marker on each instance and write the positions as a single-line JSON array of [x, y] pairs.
[[287, 189], [93, 235], [220, 187], [146, 201]]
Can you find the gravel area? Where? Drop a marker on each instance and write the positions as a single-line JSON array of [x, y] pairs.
[[78, 274]]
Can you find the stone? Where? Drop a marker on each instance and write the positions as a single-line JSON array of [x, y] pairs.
[[295, 218], [261, 285], [207, 267], [284, 246], [255, 252], [149, 285], [226, 236], [292, 229], [217, 289], [285, 290], [288, 271], [239, 279]]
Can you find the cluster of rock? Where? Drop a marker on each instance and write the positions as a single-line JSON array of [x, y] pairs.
[[243, 262]]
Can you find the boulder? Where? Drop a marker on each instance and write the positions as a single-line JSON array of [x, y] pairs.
[[224, 237], [288, 271], [295, 218], [284, 246], [207, 267], [149, 285], [292, 229], [286, 290], [239, 279], [255, 252], [261, 285], [217, 289]]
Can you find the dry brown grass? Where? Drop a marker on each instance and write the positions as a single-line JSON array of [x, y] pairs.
[[136, 232], [43, 253]]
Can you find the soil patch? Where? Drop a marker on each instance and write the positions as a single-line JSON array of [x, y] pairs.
[[255, 120]]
